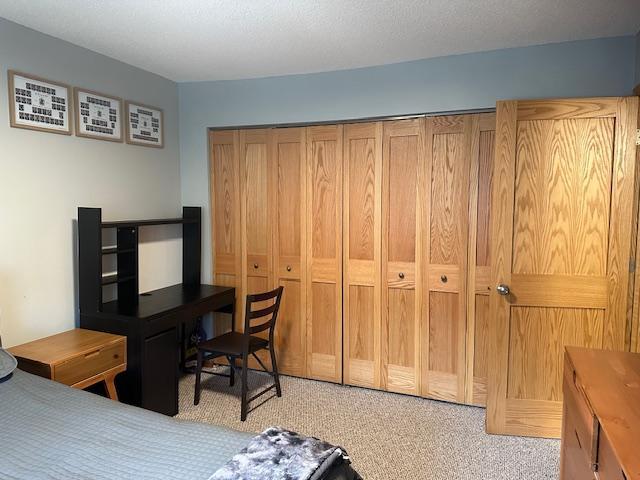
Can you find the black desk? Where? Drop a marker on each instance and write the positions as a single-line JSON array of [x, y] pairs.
[[153, 327]]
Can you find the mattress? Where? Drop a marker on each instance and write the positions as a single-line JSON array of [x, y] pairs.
[[50, 431]]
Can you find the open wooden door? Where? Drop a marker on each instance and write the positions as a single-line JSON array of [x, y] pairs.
[[562, 209]]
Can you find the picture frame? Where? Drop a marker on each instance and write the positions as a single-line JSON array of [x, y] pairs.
[[145, 125], [37, 103], [98, 115]]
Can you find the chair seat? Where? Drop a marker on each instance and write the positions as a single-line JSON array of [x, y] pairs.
[[232, 344]]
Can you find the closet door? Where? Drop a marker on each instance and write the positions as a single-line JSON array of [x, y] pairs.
[[324, 252], [403, 197], [225, 209], [362, 253], [562, 214], [479, 266], [449, 147], [288, 177], [256, 217], [257, 258]]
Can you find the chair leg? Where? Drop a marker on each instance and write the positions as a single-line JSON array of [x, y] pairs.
[[196, 398], [274, 367], [244, 406], [232, 373]]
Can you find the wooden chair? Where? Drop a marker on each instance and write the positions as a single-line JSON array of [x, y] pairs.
[[236, 345]]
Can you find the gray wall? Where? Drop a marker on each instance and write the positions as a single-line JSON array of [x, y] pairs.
[[573, 69], [44, 177]]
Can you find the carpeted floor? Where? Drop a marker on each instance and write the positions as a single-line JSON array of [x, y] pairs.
[[388, 436]]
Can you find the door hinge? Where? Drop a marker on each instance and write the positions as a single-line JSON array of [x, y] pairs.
[[638, 136], [632, 265]]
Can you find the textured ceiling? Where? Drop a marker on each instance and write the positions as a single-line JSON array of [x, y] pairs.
[[188, 40]]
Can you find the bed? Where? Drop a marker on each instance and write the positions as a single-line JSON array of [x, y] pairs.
[[50, 431]]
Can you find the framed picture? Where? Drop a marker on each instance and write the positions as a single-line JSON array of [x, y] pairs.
[[39, 104], [145, 125], [98, 115]]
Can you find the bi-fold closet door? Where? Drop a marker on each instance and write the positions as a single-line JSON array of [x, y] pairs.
[[371, 228], [276, 221], [416, 212]]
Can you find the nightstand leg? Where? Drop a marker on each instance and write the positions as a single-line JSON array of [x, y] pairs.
[[111, 388]]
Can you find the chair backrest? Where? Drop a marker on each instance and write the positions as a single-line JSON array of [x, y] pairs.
[[270, 312]]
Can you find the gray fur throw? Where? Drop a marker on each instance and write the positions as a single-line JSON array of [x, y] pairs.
[[279, 454]]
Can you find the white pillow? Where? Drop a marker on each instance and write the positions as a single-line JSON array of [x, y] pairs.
[[8, 363]]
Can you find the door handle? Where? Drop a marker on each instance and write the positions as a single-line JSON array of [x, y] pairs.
[[503, 289]]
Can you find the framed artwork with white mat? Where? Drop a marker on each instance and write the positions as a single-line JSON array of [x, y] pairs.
[[145, 125], [36, 103], [98, 115]]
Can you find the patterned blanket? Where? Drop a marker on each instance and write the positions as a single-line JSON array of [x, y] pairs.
[[279, 454]]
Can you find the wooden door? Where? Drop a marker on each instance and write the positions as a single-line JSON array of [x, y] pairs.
[[362, 216], [324, 252], [255, 224], [288, 177], [562, 209], [478, 284], [256, 214], [403, 198], [449, 146], [225, 210]]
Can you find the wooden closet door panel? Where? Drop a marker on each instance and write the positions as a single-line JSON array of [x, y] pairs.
[[224, 183], [449, 146], [362, 214], [402, 200], [324, 252], [256, 232], [288, 176], [479, 266], [257, 268], [564, 177]]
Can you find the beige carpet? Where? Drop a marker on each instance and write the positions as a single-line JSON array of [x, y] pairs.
[[388, 436]]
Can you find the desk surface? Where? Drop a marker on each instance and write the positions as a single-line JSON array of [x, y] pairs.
[[164, 300]]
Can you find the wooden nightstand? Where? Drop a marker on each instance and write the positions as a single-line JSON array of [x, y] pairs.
[[78, 358]]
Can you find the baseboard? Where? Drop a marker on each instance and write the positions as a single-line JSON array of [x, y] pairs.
[[636, 91]]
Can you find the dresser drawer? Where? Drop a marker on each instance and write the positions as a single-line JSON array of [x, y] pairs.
[[575, 462], [608, 466], [584, 421], [82, 367]]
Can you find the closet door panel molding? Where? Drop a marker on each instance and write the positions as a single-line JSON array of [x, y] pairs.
[[403, 195], [288, 180], [362, 215], [324, 252]]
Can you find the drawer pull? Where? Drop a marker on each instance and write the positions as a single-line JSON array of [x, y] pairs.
[[288, 268], [92, 354], [444, 279], [255, 265], [401, 275]]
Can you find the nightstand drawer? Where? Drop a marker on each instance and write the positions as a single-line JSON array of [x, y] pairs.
[[85, 366]]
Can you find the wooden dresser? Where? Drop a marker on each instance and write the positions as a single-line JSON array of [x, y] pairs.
[[601, 415]]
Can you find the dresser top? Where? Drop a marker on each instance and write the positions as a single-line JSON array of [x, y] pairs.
[[611, 382], [63, 346]]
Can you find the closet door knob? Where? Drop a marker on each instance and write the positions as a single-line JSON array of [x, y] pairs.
[[444, 279], [503, 289], [288, 268], [401, 275], [255, 265]]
